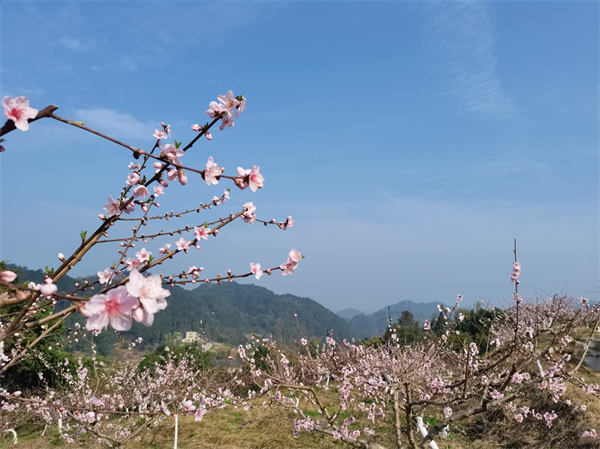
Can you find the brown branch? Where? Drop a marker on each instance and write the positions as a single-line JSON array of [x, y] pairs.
[[44, 113]]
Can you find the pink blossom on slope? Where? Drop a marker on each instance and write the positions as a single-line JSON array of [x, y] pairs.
[[18, 110], [114, 307], [200, 412]]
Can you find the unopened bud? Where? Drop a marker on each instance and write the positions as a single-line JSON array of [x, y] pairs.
[[61, 257]]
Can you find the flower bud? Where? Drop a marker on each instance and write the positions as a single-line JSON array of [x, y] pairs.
[[61, 257]]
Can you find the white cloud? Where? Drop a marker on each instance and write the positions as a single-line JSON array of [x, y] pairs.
[[72, 44], [464, 48], [115, 123]]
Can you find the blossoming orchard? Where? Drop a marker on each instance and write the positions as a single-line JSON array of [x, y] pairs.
[[464, 374]]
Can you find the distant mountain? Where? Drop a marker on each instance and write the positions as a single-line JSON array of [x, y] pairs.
[[347, 314], [366, 326], [229, 313]]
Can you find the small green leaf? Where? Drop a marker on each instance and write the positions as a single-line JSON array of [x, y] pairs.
[[177, 144], [83, 235]]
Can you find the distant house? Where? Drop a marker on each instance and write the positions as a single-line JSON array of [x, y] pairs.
[[191, 337]]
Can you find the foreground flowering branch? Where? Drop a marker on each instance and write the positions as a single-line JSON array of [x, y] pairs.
[[133, 296]]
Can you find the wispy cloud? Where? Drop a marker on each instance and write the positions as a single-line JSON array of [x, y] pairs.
[[72, 44], [513, 165], [115, 123], [464, 48]]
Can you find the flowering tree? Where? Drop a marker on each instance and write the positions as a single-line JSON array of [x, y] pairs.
[[522, 373]]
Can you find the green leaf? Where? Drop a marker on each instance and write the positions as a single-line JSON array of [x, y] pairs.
[[83, 235], [177, 144]]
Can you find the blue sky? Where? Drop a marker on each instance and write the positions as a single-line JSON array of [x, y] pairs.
[[411, 141]]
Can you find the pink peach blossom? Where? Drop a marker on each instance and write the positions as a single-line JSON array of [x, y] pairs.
[[114, 307], [256, 271], [112, 207], [18, 110], [149, 291], [212, 172], [202, 232]]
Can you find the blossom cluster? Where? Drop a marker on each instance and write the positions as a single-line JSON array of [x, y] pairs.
[[140, 298]]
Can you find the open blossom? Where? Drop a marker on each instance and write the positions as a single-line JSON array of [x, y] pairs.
[[292, 263], [200, 412], [140, 191], [226, 122], [201, 232], [165, 249], [288, 267], [133, 179], [114, 307], [143, 255], [215, 109], [304, 341], [427, 325], [172, 153], [104, 276], [150, 293], [295, 255], [160, 134], [212, 172], [251, 178], [256, 271], [112, 207], [18, 110], [447, 412], [158, 190], [182, 244], [496, 394], [229, 102], [133, 264]]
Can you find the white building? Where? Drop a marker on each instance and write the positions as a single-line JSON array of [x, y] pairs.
[[191, 337]]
